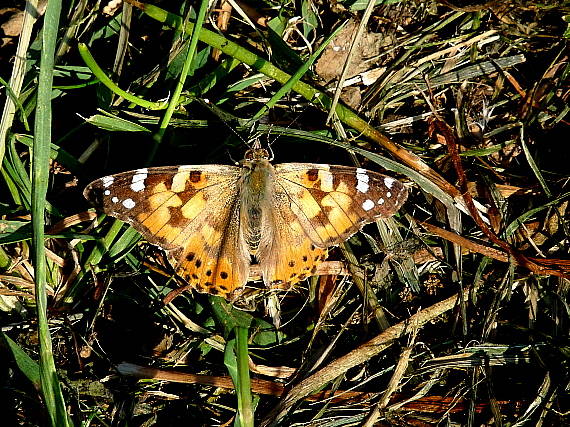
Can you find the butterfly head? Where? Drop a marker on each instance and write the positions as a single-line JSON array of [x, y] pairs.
[[254, 154], [257, 152]]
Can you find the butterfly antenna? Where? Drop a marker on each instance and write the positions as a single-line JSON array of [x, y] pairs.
[[270, 142], [226, 119], [270, 149], [254, 137]]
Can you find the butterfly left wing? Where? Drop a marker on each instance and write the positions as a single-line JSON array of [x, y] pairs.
[[172, 207]]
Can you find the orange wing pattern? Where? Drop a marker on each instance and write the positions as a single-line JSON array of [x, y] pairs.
[[317, 206], [189, 211], [212, 219]]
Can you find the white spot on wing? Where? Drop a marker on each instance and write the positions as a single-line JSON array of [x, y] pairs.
[[137, 186], [388, 194], [389, 182], [362, 186], [138, 180], [367, 205], [129, 203], [115, 199], [362, 174], [107, 192], [107, 181], [380, 201], [363, 178]]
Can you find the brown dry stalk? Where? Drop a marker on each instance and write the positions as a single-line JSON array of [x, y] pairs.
[[466, 243], [358, 356], [258, 386], [530, 101], [428, 404], [560, 267], [72, 220]]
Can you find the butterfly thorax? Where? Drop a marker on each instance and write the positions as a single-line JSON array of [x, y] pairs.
[[256, 192]]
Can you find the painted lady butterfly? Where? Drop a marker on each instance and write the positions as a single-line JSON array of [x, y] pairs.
[[214, 221]]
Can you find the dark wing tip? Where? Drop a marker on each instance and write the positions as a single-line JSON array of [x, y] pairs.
[[94, 193]]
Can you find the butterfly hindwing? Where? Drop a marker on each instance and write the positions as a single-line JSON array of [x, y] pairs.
[[290, 256], [214, 260]]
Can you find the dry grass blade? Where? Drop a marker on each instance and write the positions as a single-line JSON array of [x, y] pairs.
[[399, 372], [553, 267], [357, 356]]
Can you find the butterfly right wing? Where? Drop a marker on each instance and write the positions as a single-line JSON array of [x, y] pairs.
[[317, 206], [190, 211]]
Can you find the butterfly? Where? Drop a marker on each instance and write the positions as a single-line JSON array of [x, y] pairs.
[[215, 221]]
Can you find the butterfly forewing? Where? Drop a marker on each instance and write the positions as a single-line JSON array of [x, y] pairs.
[[334, 202]]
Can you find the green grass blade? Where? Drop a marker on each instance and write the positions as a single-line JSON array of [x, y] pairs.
[[214, 77], [19, 186], [105, 244], [236, 356], [534, 166], [103, 78], [94, 257], [57, 153], [115, 124], [245, 407], [51, 390], [236, 359], [521, 219], [284, 90], [124, 244], [25, 363], [186, 70]]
